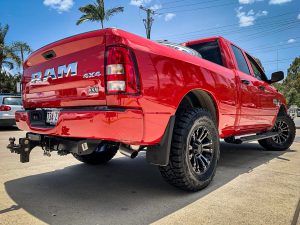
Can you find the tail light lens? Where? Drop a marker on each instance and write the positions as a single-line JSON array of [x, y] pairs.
[[5, 108], [121, 74]]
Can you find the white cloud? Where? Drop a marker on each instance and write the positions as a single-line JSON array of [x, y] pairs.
[[292, 40], [59, 5], [248, 1], [298, 17], [278, 2], [248, 18], [169, 16], [262, 13], [139, 2], [156, 7]]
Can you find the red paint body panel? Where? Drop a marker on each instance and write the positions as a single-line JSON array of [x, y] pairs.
[[109, 125], [166, 76]]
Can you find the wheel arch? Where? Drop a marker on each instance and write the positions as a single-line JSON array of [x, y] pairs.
[[282, 111], [200, 99]]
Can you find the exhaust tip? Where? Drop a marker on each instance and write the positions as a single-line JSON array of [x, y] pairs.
[[128, 151], [134, 154]]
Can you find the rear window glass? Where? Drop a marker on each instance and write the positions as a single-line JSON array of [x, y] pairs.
[[12, 101], [209, 51]]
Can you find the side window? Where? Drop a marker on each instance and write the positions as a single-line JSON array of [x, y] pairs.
[[241, 61], [258, 73], [209, 51]]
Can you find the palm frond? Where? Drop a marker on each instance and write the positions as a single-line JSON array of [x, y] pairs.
[[111, 12], [3, 32], [21, 46], [84, 18], [8, 64], [100, 3], [8, 53], [96, 12], [88, 9], [90, 13]]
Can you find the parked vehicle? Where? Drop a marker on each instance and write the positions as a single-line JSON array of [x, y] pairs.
[[9, 104], [293, 111], [142, 95]]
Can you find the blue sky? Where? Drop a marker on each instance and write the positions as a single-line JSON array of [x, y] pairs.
[[262, 27]]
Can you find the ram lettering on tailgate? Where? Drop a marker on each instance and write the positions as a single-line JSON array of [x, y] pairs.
[[62, 71]]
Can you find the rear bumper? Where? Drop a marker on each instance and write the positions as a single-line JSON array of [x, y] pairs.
[[125, 125]]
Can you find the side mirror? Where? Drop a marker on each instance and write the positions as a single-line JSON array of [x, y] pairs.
[[277, 76]]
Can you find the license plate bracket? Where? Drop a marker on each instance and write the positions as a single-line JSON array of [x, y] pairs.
[[52, 117]]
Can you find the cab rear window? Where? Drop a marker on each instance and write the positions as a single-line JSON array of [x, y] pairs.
[[12, 101], [209, 51]]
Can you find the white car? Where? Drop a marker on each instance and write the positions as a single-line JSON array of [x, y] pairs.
[[9, 104]]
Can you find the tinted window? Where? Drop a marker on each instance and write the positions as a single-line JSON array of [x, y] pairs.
[[241, 61], [258, 73], [209, 51], [12, 101]]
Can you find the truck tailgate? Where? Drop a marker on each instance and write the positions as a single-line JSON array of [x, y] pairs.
[[66, 73]]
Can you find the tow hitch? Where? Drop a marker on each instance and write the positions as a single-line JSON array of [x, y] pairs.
[[23, 148], [62, 146]]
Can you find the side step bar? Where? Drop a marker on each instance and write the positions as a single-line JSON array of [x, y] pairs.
[[250, 138]]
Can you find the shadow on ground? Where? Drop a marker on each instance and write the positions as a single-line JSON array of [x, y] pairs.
[[122, 192]]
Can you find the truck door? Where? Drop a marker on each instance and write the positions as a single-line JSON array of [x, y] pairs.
[[249, 94], [267, 94]]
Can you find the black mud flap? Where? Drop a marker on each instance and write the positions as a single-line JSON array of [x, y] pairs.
[[159, 154]]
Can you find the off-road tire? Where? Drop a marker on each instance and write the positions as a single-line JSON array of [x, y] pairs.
[[107, 152], [179, 171], [269, 143]]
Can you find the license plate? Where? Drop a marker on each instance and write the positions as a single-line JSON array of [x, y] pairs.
[[52, 117]]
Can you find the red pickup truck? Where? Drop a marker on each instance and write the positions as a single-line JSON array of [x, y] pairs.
[[99, 92]]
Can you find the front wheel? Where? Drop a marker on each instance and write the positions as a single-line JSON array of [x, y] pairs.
[[102, 154], [286, 129], [194, 151]]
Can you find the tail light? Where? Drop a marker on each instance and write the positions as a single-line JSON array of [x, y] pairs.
[[5, 108], [121, 72]]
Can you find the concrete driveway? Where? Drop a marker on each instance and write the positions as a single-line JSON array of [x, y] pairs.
[[251, 186]]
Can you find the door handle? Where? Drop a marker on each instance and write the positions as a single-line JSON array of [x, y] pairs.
[[262, 87], [247, 82]]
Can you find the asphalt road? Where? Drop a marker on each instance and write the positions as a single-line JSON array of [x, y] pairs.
[[251, 186]]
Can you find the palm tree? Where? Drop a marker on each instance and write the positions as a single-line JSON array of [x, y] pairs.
[[96, 12], [22, 48], [7, 55]]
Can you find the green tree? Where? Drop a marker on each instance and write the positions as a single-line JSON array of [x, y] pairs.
[[8, 58], [294, 71], [21, 48], [96, 12], [11, 55], [290, 86]]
